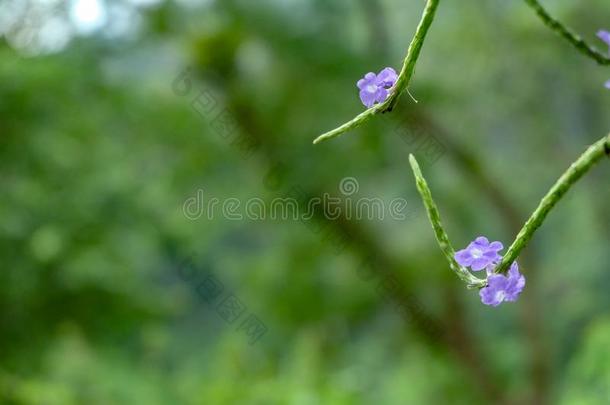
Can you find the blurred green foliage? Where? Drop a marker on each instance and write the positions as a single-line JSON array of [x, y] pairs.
[[98, 155]]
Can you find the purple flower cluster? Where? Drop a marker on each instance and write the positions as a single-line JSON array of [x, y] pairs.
[[502, 288], [374, 88], [605, 36], [482, 254]]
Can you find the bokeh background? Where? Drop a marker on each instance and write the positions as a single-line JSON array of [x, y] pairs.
[[110, 294]]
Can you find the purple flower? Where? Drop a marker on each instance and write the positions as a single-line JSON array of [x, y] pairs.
[[387, 77], [374, 88], [479, 254], [607, 84], [501, 288]]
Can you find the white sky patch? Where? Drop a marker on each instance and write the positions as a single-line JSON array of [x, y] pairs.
[[144, 3], [54, 35], [88, 15], [195, 3], [10, 12], [123, 21]]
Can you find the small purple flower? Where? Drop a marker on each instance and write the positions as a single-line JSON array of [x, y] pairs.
[[387, 77], [479, 254], [374, 88], [501, 288]]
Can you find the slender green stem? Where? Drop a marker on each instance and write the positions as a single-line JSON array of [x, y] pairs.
[[348, 126], [578, 169], [439, 231], [413, 53], [568, 34], [404, 77], [581, 166]]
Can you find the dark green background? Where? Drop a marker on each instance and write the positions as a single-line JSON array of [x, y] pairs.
[[98, 156]]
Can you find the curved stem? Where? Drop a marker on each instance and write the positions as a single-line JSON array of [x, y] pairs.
[[404, 77], [417, 42], [581, 166], [578, 169], [439, 231], [566, 33]]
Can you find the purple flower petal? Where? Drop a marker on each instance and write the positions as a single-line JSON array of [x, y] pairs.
[[607, 84], [494, 293], [503, 288], [480, 254], [368, 98], [387, 77], [463, 257], [371, 91], [382, 95], [497, 281], [516, 283], [513, 271], [482, 240], [491, 255], [370, 79], [489, 298], [479, 264], [496, 246]]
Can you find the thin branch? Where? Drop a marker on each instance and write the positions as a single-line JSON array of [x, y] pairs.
[[404, 77], [413, 53], [581, 166], [439, 231], [454, 322], [578, 169], [531, 311], [568, 34]]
